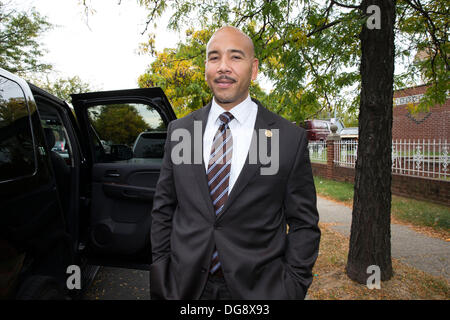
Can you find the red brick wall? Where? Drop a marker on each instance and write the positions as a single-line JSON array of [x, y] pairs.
[[319, 170], [434, 124], [437, 191]]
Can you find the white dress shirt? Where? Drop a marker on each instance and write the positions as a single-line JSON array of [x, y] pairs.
[[241, 127]]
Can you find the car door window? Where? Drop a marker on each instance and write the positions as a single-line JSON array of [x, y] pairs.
[[52, 123], [17, 157], [128, 132]]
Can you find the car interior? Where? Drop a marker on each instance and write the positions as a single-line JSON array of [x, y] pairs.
[[65, 159]]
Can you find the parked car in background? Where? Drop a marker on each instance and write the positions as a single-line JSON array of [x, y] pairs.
[[319, 129], [87, 208], [150, 145], [316, 130], [350, 133]]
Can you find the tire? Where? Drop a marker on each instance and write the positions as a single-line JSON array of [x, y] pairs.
[[40, 288]]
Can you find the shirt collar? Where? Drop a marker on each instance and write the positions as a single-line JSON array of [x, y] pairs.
[[240, 111]]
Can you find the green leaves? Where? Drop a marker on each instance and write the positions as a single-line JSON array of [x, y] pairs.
[[422, 28], [63, 87], [20, 49], [310, 50], [119, 123]]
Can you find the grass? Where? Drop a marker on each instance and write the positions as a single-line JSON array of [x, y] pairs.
[[403, 210], [340, 191], [421, 213], [331, 282]]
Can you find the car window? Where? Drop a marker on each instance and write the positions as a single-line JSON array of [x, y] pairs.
[[51, 120], [149, 145], [17, 156], [128, 132]]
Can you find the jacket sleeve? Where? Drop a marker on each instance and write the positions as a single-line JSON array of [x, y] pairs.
[[164, 204], [302, 217]]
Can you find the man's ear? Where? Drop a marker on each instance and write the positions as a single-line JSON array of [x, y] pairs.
[[255, 65]]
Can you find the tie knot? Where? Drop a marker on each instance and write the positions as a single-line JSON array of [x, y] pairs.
[[226, 117]]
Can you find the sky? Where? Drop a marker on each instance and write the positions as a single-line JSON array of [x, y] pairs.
[[103, 50]]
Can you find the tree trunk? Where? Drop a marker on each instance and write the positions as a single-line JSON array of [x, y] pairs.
[[370, 239]]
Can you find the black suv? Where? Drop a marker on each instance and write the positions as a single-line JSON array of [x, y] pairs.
[[66, 199]]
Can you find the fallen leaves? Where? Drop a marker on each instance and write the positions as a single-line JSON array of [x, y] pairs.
[[330, 282]]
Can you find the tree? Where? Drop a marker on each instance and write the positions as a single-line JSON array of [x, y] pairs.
[[370, 239], [423, 29], [63, 87], [120, 124], [305, 82], [180, 73], [20, 49]]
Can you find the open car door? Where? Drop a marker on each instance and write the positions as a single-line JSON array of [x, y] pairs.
[[123, 134]]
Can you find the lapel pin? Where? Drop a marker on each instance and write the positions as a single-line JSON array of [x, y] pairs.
[[268, 133]]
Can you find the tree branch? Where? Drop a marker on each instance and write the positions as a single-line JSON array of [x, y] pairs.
[[348, 6], [151, 15], [316, 74], [431, 30], [323, 27]]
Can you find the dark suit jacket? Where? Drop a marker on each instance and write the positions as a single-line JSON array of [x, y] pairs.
[[259, 259]]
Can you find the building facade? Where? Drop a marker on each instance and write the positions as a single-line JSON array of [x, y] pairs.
[[434, 124]]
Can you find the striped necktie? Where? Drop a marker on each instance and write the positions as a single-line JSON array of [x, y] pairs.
[[219, 171]]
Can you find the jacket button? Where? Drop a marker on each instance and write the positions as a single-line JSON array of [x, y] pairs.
[[203, 270]]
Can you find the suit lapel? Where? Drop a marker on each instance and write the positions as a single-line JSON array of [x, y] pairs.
[[199, 169], [264, 121]]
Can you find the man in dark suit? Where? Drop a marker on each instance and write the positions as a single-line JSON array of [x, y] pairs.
[[219, 221]]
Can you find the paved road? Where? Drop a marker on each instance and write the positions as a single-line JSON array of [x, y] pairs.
[[424, 253]]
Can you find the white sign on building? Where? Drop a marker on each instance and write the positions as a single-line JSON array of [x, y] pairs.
[[408, 99]]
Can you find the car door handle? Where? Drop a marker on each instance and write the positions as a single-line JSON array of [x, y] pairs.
[[123, 191], [112, 174]]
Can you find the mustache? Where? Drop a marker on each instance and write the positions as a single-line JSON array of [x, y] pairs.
[[224, 77]]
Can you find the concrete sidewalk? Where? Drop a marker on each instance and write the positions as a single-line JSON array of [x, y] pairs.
[[420, 251]]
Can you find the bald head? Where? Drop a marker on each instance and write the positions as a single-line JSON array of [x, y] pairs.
[[230, 66], [228, 31]]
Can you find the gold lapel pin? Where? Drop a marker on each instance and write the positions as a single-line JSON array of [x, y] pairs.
[[268, 133]]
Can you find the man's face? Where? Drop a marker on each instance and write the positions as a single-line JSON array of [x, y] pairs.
[[230, 67]]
